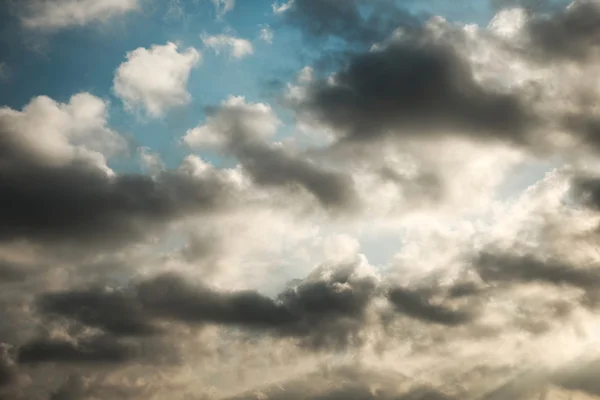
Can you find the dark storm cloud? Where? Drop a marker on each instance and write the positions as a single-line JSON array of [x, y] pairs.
[[13, 272], [321, 313], [413, 87], [171, 297], [100, 349], [355, 21], [77, 387], [7, 371], [416, 304], [512, 268], [571, 33], [77, 203], [112, 311]]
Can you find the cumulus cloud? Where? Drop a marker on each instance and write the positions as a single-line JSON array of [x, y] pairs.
[[241, 129], [237, 47], [57, 186], [74, 130], [155, 79], [45, 15], [197, 281], [414, 87], [328, 308]]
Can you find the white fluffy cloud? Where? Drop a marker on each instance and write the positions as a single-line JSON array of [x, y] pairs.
[[155, 79], [259, 119], [57, 14], [237, 47], [56, 133]]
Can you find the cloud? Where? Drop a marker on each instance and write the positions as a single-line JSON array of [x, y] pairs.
[[413, 88], [151, 161], [155, 79], [55, 15], [57, 187], [328, 308], [515, 268], [94, 350], [349, 382], [579, 376], [266, 34], [83, 205], [194, 282], [7, 367], [97, 308], [455, 88], [357, 21], [416, 305], [234, 119], [74, 130], [222, 7], [241, 129], [571, 33], [237, 47], [283, 7]]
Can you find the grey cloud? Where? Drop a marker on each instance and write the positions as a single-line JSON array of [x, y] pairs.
[[346, 382], [98, 349], [273, 166], [321, 313], [512, 268], [427, 186], [581, 376], [414, 87], [571, 33], [356, 21], [78, 204], [416, 304], [112, 311], [421, 85], [463, 289], [585, 190], [79, 387], [171, 297], [72, 389], [12, 272], [7, 370]]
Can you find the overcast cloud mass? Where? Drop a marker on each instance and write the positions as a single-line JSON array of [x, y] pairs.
[[311, 200]]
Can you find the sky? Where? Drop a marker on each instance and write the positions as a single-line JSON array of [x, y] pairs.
[[306, 199]]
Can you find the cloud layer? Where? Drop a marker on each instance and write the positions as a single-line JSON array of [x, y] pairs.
[[415, 216]]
